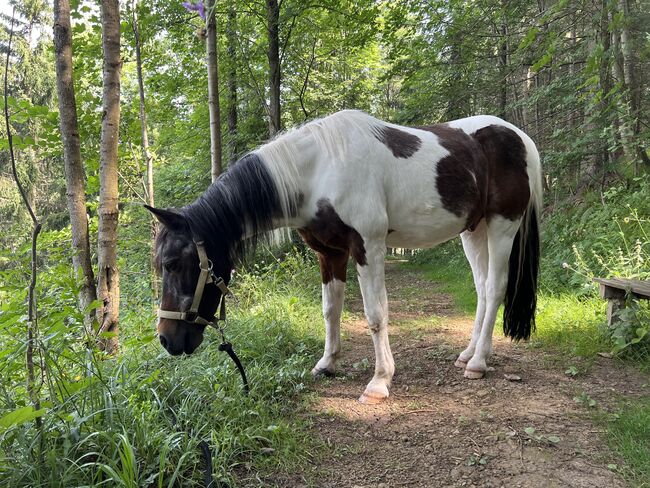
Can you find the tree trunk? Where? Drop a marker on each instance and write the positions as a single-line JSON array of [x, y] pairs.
[[32, 319], [74, 171], [273, 18], [624, 125], [213, 91], [632, 85], [145, 149], [232, 84], [503, 63], [108, 287]]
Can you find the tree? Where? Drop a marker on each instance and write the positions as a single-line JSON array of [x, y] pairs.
[[232, 83], [145, 143], [108, 286], [273, 54], [213, 91], [74, 171], [32, 322]]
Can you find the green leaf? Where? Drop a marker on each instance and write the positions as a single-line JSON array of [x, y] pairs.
[[553, 438], [20, 416], [529, 38], [541, 62], [93, 305], [529, 430]]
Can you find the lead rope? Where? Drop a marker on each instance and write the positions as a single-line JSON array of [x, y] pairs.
[[226, 346]]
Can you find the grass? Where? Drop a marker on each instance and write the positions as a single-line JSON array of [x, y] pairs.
[[629, 435], [565, 322], [571, 325]]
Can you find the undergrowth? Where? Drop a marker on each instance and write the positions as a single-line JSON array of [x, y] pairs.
[[138, 419]]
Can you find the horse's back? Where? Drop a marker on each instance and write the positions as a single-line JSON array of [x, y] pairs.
[[465, 171]]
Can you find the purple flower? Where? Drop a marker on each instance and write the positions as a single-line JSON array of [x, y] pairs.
[[195, 7]]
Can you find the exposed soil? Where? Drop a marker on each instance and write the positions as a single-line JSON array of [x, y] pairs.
[[439, 429]]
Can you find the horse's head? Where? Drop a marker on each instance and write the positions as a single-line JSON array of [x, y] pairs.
[[179, 264]]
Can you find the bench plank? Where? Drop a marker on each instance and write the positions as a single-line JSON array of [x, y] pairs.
[[617, 287]]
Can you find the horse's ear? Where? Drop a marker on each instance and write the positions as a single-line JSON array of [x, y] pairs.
[[169, 218]]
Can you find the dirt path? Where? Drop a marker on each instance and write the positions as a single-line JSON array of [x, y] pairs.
[[438, 429]]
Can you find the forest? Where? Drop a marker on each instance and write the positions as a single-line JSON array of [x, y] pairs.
[[111, 105]]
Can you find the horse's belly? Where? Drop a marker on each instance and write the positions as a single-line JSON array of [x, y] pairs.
[[423, 229]]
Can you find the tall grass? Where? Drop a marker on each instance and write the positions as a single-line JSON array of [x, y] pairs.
[[629, 434], [138, 419]]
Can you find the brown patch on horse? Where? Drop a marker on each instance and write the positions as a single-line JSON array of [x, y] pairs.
[[462, 176], [508, 186], [334, 264], [401, 143], [333, 240]]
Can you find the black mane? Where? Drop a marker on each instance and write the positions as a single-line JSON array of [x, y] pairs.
[[244, 200]]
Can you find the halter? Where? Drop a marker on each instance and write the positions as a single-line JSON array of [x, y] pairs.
[[206, 277]]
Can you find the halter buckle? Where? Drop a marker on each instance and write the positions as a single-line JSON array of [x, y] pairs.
[[208, 269]]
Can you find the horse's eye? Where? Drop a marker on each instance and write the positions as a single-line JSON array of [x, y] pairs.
[[171, 266]]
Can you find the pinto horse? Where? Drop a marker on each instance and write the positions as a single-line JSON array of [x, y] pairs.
[[351, 185]]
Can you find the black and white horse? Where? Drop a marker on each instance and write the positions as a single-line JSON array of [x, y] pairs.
[[352, 185]]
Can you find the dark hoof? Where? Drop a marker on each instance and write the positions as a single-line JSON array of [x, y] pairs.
[[318, 372]]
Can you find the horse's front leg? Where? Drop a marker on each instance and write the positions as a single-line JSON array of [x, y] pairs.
[[333, 265], [375, 303]]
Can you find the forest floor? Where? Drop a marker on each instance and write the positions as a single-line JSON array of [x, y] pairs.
[[536, 429]]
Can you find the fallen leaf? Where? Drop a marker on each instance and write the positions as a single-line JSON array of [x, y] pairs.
[[267, 450], [607, 355], [553, 438], [512, 377]]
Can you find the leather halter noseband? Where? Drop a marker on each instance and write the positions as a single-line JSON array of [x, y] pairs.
[[206, 276]]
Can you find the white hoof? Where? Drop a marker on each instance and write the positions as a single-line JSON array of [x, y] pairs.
[[473, 374], [318, 373], [374, 394]]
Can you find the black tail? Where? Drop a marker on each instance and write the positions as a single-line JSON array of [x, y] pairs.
[[521, 294]]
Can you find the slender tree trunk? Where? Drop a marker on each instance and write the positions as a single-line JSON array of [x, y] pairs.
[[503, 63], [623, 123], [74, 171], [32, 319], [108, 288], [213, 91], [273, 19], [231, 30], [145, 149], [631, 83]]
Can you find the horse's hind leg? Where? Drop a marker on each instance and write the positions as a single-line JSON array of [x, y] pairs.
[[500, 233], [475, 245], [333, 272], [375, 303]]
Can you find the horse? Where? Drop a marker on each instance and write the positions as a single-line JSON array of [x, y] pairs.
[[352, 185]]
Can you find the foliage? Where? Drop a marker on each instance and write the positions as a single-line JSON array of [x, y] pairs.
[[620, 248], [628, 432], [137, 419]]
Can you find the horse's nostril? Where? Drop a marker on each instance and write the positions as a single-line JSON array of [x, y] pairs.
[[163, 341]]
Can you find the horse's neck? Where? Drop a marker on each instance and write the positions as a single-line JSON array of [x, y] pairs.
[[290, 160]]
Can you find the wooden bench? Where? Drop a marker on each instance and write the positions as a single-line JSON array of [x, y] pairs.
[[616, 290]]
